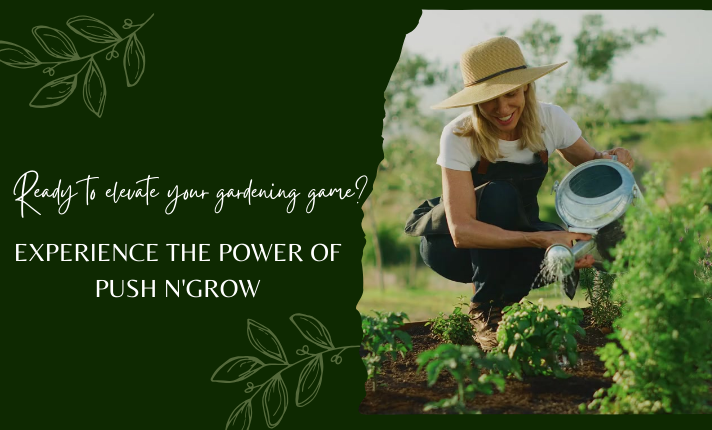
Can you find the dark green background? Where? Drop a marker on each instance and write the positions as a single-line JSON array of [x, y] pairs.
[[290, 96]]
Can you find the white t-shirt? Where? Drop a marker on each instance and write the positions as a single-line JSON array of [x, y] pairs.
[[560, 132]]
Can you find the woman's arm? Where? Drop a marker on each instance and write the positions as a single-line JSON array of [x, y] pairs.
[[581, 151], [468, 232]]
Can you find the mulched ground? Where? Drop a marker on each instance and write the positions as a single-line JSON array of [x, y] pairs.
[[403, 390]]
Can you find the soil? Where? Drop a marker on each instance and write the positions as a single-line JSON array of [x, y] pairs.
[[402, 390]]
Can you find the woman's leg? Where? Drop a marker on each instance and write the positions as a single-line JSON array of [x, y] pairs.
[[528, 274], [500, 275], [525, 275], [498, 204], [439, 253], [494, 270]]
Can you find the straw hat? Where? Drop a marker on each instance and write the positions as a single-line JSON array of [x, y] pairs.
[[491, 69]]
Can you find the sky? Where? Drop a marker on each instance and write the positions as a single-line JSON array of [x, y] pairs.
[[678, 64]]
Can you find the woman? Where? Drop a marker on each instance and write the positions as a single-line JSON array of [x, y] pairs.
[[500, 148]]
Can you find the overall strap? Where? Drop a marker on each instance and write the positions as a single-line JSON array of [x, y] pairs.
[[544, 155], [484, 164]]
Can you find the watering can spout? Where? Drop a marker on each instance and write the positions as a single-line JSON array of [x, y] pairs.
[[560, 259]]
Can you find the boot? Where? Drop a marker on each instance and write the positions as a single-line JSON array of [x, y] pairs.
[[485, 318]]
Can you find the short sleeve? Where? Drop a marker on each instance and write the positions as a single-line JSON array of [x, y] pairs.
[[566, 131], [455, 152]]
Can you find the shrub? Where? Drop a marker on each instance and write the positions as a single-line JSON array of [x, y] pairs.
[[380, 340], [664, 360], [598, 289], [464, 363], [456, 328], [538, 338], [395, 246], [703, 272]]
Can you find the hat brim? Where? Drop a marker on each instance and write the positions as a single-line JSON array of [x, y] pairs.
[[495, 87]]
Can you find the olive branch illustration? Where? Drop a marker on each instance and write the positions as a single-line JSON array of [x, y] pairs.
[[57, 44], [274, 395]]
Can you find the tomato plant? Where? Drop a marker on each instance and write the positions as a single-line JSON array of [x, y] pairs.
[[539, 338], [381, 340], [464, 363], [598, 290], [456, 327]]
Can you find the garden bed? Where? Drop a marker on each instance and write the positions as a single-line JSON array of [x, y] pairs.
[[401, 389]]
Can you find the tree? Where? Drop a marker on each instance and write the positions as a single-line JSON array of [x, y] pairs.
[[412, 73], [405, 125], [596, 47], [542, 40], [631, 100]]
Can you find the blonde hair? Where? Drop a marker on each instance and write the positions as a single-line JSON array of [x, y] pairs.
[[484, 136]]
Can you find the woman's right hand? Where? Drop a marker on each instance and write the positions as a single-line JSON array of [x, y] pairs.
[[545, 239]]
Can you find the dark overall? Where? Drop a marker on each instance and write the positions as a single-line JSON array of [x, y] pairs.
[[506, 196]]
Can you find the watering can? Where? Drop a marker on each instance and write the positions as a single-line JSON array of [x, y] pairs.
[[592, 198]]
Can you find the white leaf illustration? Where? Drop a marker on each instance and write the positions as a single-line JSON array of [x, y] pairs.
[[312, 330], [241, 417], [94, 89], [134, 61], [265, 341], [237, 369], [93, 29], [55, 92], [16, 56], [55, 42], [310, 381], [275, 401]]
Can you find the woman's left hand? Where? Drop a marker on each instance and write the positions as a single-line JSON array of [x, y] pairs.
[[623, 156], [586, 261]]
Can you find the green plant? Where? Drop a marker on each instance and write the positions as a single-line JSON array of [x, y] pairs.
[[394, 245], [598, 288], [663, 361], [704, 268], [464, 363], [456, 328], [538, 338], [380, 340]]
